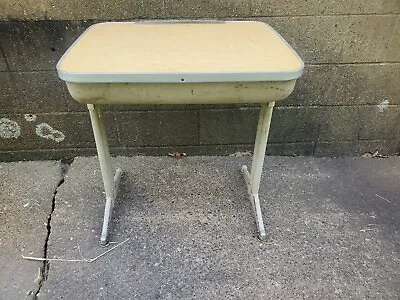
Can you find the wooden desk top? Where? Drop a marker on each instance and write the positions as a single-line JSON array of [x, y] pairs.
[[180, 52]]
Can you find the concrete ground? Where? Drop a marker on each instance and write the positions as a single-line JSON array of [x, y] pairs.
[[333, 230]]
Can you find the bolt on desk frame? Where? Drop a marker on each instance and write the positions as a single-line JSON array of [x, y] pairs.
[[205, 63]]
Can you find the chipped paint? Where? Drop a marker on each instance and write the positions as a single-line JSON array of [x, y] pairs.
[[384, 105], [45, 131], [30, 117], [9, 129]]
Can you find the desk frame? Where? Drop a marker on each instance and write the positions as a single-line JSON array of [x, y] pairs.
[[111, 180]]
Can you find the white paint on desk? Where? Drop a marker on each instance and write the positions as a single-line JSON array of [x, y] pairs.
[[384, 105], [9, 129], [30, 117], [45, 131]]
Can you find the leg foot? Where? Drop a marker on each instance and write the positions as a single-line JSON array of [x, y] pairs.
[[255, 203], [108, 209]]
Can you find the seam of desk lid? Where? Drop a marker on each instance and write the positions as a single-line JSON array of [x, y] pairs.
[[242, 64]]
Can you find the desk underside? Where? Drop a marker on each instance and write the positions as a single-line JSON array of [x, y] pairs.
[[181, 93]]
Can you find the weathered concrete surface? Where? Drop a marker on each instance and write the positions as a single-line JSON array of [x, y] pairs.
[[207, 8], [290, 149], [334, 85], [80, 10], [348, 148], [26, 196], [333, 225], [32, 92], [301, 124], [162, 128], [123, 9], [3, 66], [331, 149], [52, 131], [37, 46], [346, 39], [320, 7]]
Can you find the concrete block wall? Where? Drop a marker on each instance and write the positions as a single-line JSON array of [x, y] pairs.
[[346, 103]]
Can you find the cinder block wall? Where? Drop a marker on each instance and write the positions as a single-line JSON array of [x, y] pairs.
[[346, 103]]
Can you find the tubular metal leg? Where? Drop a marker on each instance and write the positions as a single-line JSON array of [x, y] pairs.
[[111, 182], [253, 180]]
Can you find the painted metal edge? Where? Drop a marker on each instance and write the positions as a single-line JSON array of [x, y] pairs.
[[177, 77]]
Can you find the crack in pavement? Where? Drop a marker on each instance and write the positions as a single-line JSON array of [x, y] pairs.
[[44, 271]]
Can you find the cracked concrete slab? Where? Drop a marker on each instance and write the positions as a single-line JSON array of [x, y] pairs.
[[333, 225], [26, 196]]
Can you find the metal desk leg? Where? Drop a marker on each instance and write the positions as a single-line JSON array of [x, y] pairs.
[[253, 180], [111, 182]]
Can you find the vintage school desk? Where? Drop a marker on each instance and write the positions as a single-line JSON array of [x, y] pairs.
[[180, 62]]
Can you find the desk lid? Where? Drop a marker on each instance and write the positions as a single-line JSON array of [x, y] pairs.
[[202, 51]]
